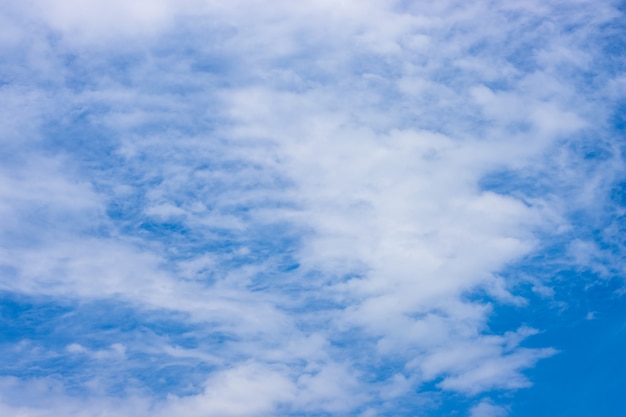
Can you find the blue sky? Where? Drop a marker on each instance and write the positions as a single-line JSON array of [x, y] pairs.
[[352, 208]]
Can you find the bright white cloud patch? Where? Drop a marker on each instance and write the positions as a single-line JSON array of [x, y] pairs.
[[293, 208], [487, 409]]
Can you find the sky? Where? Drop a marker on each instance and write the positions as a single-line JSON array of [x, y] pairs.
[[373, 208]]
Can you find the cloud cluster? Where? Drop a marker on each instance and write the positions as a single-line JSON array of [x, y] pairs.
[[322, 195]]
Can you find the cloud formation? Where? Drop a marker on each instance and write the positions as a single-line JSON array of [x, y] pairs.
[[312, 208]]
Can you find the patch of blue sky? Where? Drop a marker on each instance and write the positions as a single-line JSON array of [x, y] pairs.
[[521, 183], [105, 339], [586, 325], [581, 314], [618, 121], [574, 303], [88, 148]]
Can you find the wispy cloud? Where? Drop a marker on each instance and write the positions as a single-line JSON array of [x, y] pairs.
[[300, 208]]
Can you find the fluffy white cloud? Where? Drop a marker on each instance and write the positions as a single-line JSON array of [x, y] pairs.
[[487, 409]]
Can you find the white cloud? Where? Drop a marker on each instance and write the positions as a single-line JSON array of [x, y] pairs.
[[247, 390], [115, 351], [487, 409], [323, 184]]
